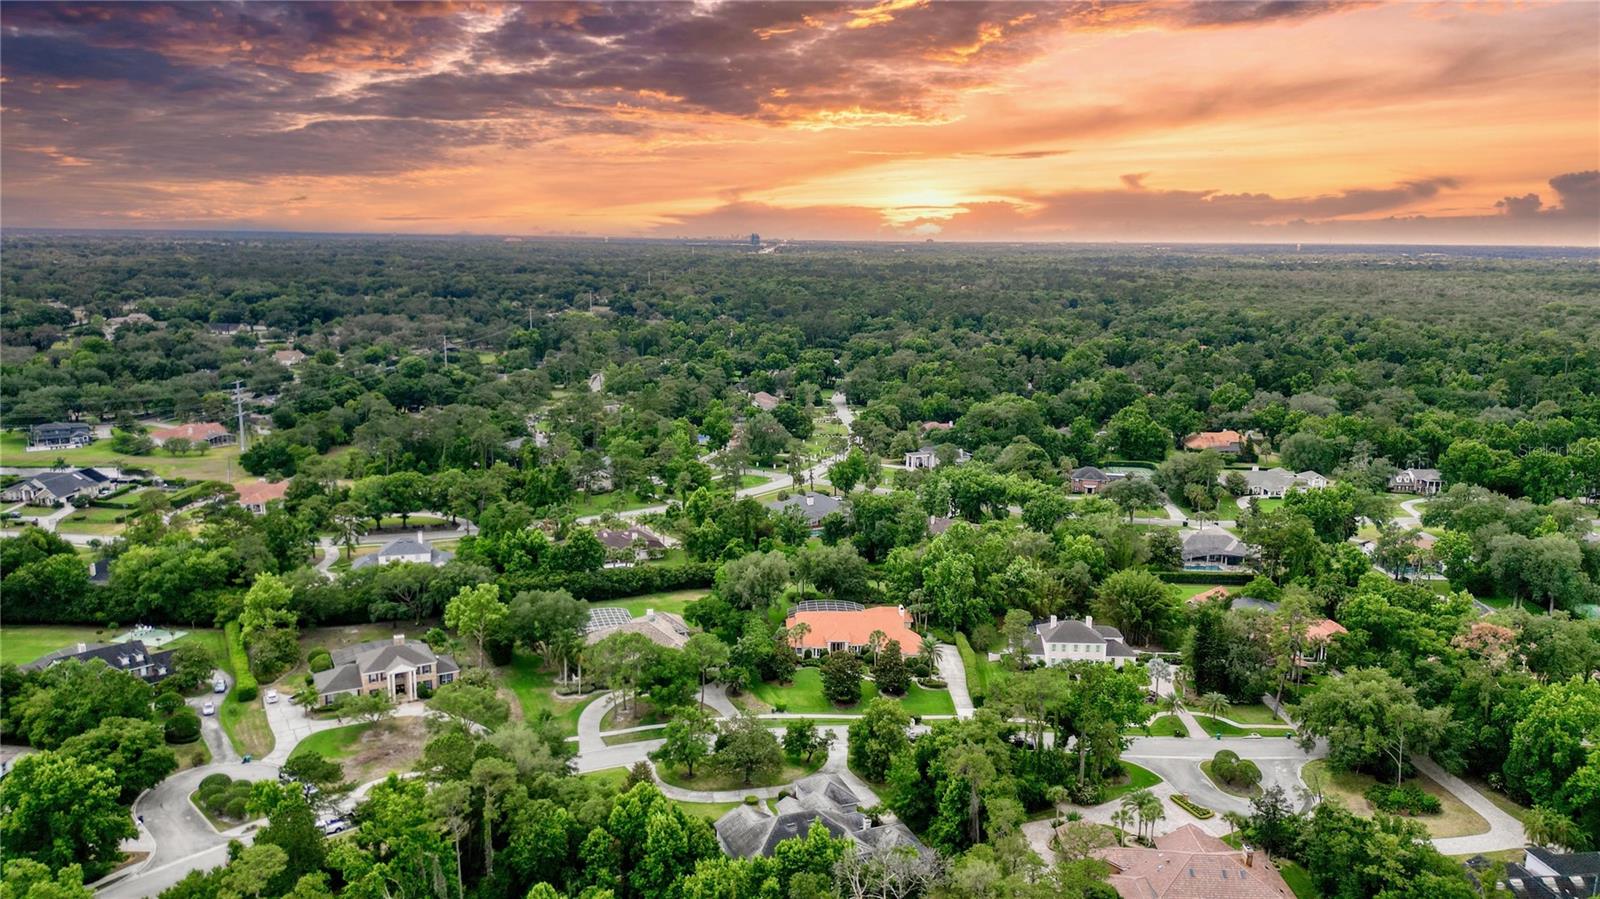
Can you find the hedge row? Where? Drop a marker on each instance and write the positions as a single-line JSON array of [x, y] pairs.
[[977, 675], [245, 687], [617, 583], [1239, 578], [1190, 806]]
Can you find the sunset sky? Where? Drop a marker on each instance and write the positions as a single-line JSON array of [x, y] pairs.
[[1218, 121]]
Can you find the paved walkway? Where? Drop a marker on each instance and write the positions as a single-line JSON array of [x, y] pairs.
[[1505, 832], [955, 676]]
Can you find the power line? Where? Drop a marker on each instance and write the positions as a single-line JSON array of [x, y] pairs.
[[238, 404]]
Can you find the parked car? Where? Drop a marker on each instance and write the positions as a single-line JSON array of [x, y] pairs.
[[272, 696], [334, 824], [209, 708], [219, 686]]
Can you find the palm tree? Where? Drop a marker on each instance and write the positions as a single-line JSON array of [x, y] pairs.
[[1214, 704], [1120, 819], [1160, 671], [797, 634], [1236, 821], [875, 641], [1130, 809], [1150, 810]]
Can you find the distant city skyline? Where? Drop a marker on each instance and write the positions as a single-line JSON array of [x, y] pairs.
[[1195, 122]]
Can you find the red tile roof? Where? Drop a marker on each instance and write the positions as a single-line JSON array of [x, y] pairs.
[[1213, 440], [1191, 864], [1324, 630], [1209, 595], [259, 493], [856, 627]]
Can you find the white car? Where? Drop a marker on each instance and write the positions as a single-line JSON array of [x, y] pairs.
[[209, 708], [333, 825], [272, 696], [219, 686]]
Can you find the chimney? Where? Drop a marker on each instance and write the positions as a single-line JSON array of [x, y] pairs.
[[1088, 621], [1249, 857], [1255, 468], [83, 647], [399, 639], [1052, 621], [649, 614], [810, 500]]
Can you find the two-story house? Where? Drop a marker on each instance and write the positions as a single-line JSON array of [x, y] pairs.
[[394, 666], [1424, 481], [1056, 642], [131, 657]]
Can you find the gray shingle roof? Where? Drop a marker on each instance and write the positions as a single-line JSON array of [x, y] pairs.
[[352, 663], [821, 504], [1201, 544], [402, 547], [751, 830]]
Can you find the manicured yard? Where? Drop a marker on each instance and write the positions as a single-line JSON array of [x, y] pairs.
[[980, 671], [24, 643], [1214, 726], [804, 697], [1299, 880], [535, 689], [334, 743], [246, 725], [1254, 713], [191, 755], [585, 504], [1164, 726], [1137, 779], [1349, 787], [674, 601]]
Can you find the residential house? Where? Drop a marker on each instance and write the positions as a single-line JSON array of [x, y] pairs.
[[131, 657], [115, 323], [1089, 479], [1424, 481], [928, 457], [1311, 480], [630, 545], [1543, 874], [53, 488], [414, 550], [256, 494], [1189, 863], [814, 506], [938, 525], [392, 666], [661, 628], [836, 626], [1229, 443], [204, 432], [930, 426], [1058, 642], [1319, 634], [1213, 549], [1269, 483], [100, 572], [764, 401], [58, 435], [751, 830], [288, 358]]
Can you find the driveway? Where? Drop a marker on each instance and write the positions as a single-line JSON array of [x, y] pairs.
[[955, 675], [1505, 832]]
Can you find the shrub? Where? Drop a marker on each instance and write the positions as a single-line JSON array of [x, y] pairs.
[[319, 660], [245, 687], [1408, 799], [184, 727], [1192, 807], [235, 809], [214, 782], [424, 691]]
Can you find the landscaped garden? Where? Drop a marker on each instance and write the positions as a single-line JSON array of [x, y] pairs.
[[804, 696], [224, 801], [1227, 729]]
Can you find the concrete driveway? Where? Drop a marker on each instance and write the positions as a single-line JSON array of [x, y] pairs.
[[955, 675]]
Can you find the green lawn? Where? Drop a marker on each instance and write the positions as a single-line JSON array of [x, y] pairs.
[[1214, 725], [1254, 713], [213, 465], [611, 781], [1165, 726], [1187, 591], [1137, 779], [804, 697], [617, 501], [674, 601], [980, 671], [1299, 880], [24, 643], [246, 726], [533, 689], [334, 743], [1225, 787]]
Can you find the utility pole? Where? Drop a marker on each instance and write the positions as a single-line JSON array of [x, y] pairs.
[[239, 407], [445, 342]]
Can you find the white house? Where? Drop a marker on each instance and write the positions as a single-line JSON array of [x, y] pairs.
[[927, 457], [1056, 642], [406, 549], [1426, 481]]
